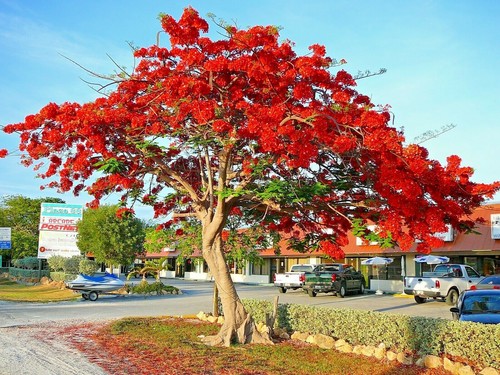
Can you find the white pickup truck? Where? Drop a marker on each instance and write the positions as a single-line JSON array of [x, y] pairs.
[[294, 279], [446, 282]]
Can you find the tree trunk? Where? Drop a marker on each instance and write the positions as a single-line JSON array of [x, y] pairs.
[[215, 302], [239, 326]]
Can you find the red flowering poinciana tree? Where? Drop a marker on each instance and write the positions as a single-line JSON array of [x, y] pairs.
[[243, 125]]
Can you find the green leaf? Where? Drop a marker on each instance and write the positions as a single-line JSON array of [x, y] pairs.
[[111, 165]]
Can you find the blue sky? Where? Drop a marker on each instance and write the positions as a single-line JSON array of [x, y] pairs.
[[442, 60]]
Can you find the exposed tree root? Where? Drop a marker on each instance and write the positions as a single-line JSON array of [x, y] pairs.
[[245, 333]]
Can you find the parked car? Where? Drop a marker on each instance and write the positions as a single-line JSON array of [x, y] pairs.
[[489, 282], [444, 283], [481, 306], [294, 279], [335, 278]]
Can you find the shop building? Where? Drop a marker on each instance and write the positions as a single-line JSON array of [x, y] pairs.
[[480, 249]]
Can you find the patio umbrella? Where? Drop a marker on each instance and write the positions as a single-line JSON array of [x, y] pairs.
[[432, 259], [377, 261]]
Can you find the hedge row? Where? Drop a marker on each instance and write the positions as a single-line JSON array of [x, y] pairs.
[[479, 343], [27, 274]]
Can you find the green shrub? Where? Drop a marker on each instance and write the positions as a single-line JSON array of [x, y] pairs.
[[29, 263], [56, 263], [479, 343], [63, 276], [21, 273], [72, 265], [154, 288], [64, 268], [88, 267]]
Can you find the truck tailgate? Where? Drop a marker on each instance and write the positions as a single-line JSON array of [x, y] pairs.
[[425, 284], [289, 279]]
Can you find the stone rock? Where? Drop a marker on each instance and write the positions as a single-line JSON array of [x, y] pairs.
[[357, 349], [420, 362], [57, 284], [432, 361], [281, 333], [368, 351], [391, 356], [346, 348], [260, 326], [310, 339], [465, 370], [489, 371], [220, 320], [201, 315], [340, 342], [404, 359], [450, 366], [264, 329], [380, 352], [211, 319], [301, 336], [324, 341]]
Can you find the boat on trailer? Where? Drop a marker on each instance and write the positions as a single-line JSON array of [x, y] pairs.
[[92, 286]]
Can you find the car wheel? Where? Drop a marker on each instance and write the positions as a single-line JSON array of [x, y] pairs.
[[419, 299], [93, 296], [362, 289], [342, 291], [311, 293], [282, 290], [452, 297]]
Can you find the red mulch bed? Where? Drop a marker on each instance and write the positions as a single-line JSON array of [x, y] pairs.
[[115, 359]]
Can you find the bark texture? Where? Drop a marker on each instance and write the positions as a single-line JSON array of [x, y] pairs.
[[239, 326]]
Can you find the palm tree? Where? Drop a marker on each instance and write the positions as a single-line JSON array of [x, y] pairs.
[[154, 266]]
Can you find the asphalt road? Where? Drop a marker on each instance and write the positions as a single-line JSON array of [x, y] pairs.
[[196, 297]]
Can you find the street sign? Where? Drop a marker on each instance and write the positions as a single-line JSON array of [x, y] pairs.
[[58, 229], [5, 238]]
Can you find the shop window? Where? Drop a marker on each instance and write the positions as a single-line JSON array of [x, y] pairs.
[[391, 271], [257, 269]]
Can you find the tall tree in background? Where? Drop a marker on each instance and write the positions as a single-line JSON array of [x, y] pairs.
[[241, 245], [22, 215], [111, 234], [243, 125]]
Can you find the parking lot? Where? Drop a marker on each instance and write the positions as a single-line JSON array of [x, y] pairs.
[[386, 303]]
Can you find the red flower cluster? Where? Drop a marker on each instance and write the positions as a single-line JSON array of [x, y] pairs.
[[208, 127], [124, 212]]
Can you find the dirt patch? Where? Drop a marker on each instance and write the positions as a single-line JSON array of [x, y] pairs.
[[48, 349]]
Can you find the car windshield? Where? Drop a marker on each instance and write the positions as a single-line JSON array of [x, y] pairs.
[[301, 268], [331, 268], [477, 304]]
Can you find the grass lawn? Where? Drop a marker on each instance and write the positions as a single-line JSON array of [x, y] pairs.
[[12, 291], [172, 346]]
